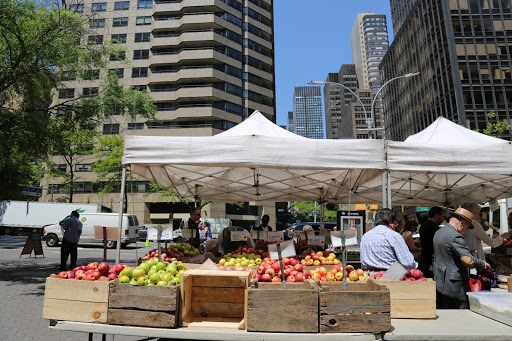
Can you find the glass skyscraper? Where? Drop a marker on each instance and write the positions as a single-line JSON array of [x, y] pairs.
[[307, 112]]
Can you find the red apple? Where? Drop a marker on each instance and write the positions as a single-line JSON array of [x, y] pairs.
[[416, 273], [71, 274], [270, 272], [118, 268], [257, 276], [103, 268], [112, 276], [422, 279], [360, 272], [102, 277], [92, 266], [77, 268], [290, 279], [410, 279], [276, 279], [276, 266], [298, 267], [266, 277], [80, 275], [286, 261], [260, 269], [306, 274], [299, 277], [62, 274], [89, 277], [293, 262], [96, 274]]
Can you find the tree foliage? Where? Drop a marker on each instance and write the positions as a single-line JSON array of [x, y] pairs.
[[305, 210], [495, 129]]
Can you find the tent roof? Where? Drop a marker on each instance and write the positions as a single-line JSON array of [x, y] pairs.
[[256, 161]]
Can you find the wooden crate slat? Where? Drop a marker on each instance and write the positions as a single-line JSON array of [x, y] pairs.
[[355, 301], [85, 291], [406, 290], [141, 318], [421, 309], [218, 309], [216, 322], [218, 281], [218, 294], [271, 320], [259, 298], [145, 302], [355, 323], [153, 290], [78, 311]]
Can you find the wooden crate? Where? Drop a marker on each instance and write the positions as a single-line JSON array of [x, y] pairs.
[[271, 308], [414, 300], [145, 306], [363, 308], [79, 301], [214, 299]]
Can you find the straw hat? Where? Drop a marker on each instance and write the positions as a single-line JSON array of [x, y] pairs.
[[463, 214]]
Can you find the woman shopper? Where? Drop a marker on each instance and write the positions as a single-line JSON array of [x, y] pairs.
[[407, 231]]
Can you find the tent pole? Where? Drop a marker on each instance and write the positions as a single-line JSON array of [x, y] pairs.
[[384, 194], [120, 224], [389, 189]]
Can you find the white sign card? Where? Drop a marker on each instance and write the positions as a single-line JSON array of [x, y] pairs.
[[287, 250], [350, 238], [238, 236], [274, 237], [316, 240], [258, 234], [394, 273], [188, 233], [166, 232], [493, 205]]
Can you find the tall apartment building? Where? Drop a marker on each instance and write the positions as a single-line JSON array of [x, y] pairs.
[[463, 52], [369, 42], [290, 125], [333, 106], [307, 112], [208, 64]]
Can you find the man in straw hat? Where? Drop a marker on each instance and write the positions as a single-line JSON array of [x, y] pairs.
[[452, 259]]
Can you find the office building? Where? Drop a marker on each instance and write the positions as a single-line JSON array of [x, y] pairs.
[[369, 42], [290, 121], [207, 64], [333, 106], [463, 52], [307, 112]]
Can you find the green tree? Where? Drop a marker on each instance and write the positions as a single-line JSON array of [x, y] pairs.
[[304, 210], [495, 129]]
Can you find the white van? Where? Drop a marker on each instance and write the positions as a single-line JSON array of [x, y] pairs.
[[53, 233]]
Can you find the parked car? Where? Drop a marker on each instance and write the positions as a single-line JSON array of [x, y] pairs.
[[143, 233], [315, 226]]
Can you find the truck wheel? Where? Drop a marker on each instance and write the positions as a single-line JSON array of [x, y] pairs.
[[111, 244], [52, 240]]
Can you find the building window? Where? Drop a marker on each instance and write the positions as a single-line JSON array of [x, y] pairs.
[[143, 21], [144, 4], [121, 55], [138, 72], [97, 23], [61, 167], [121, 5], [83, 167], [140, 54], [118, 72], [95, 40], [68, 76], [99, 7], [87, 92], [79, 8], [140, 87], [92, 75], [111, 129], [142, 37], [66, 93], [119, 38], [135, 126], [120, 22]]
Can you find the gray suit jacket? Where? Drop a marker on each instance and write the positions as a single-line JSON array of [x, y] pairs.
[[452, 259]]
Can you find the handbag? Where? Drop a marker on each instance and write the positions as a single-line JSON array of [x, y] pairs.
[[482, 280]]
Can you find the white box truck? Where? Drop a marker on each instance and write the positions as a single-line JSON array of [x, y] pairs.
[[53, 233], [22, 215]]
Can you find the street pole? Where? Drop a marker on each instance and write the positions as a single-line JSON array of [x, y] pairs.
[[120, 224]]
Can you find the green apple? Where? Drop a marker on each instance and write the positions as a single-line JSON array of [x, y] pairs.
[[142, 281], [162, 283], [133, 281], [172, 270], [160, 266], [127, 271], [154, 278], [124, 279], [138, 273], [145, 266], [167, 277], [151, 272]]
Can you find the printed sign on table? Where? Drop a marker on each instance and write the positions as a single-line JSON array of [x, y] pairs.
[[258, 234], [350, 238], [274, 237], [316, 240], [287, 250], [238, 236]]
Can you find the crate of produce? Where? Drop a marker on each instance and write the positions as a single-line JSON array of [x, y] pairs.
[[145, 306], [363, 308], [214, 299], [414, 299], [271, 308], [494, 305], [79, 301]]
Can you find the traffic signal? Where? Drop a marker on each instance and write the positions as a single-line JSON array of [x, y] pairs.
[[403, 208]]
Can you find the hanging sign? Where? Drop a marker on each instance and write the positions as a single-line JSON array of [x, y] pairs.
[[287, 250], [350, 238], [316, 240], [238, 236], [166, 232], [258, 234], [274, 237]]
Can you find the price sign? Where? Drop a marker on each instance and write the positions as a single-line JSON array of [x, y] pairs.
[[166, 232], [350, 238], [274, 237], [187, 233], [238, 236], [493, 205], [287, 250], [316, 240], [258, 234]]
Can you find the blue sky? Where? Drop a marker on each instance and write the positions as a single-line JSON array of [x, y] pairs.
[[312, 38]]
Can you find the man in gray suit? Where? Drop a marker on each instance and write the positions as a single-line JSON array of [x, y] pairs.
[[452, 259]]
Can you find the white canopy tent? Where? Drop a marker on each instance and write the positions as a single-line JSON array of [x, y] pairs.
[[259, 161], [447, 164]]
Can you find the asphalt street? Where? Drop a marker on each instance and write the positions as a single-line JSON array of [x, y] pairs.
[[22, 282]]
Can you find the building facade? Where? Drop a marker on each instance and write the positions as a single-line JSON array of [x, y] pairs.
[[290, 124], [369, 42], [207, 64], [462, 50], [307, 112], [333, 107]]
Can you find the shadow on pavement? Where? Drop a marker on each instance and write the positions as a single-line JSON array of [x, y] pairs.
[[10, 242]]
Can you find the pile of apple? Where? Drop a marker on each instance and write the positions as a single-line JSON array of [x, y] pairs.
[[270, 271], [311, 258], [93, 272], [411, 275], [234, 268], [153, 272], [240, 259], [336, 274], [174, 253], [248, 250]]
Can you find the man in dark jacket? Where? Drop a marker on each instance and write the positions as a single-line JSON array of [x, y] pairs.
[[72, 231], [193, 224], [436, 216], [452, 259]]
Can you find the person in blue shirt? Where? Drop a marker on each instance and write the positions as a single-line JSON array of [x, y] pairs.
[[72, 231], [381, 247]]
